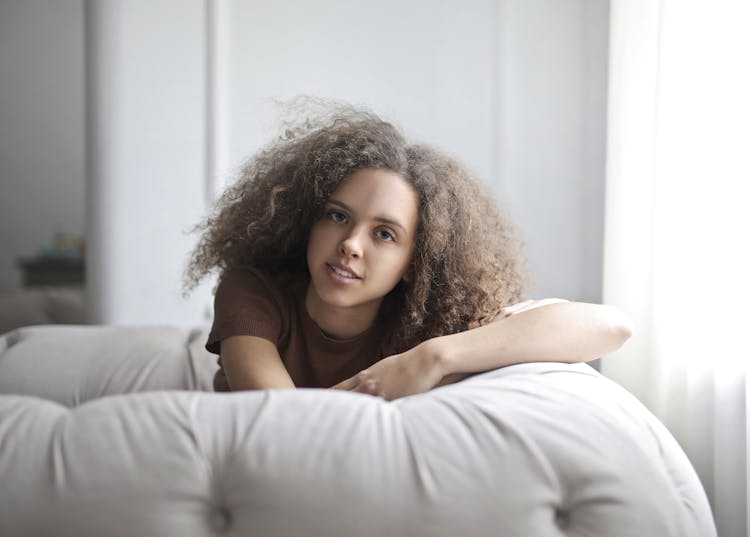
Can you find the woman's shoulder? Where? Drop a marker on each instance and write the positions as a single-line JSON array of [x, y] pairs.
[[250, 301], [247, 293], [244, 279]]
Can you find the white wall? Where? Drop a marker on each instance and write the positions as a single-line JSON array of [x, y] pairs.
[[427, 65], [553, 61], [146, 158], [41, 128]]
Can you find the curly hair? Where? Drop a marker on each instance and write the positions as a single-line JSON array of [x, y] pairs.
[[466, 265]]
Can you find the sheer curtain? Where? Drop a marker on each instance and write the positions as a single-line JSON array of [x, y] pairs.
[[677, 237]]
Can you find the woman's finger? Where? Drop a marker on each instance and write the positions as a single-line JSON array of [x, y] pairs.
[[369, 386], [348, 384]]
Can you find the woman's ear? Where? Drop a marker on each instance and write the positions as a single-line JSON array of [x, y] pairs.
[[408, 275]]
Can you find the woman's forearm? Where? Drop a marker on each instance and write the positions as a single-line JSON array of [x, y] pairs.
[[561, 332]]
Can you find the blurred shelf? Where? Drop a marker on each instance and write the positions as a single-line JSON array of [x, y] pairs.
[[53, 271]]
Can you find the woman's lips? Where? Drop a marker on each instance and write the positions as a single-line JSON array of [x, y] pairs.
[[340, 273]]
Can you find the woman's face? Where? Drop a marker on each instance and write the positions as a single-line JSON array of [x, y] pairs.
[[363, 244]]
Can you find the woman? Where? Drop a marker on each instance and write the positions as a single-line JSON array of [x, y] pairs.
[[352, 259]]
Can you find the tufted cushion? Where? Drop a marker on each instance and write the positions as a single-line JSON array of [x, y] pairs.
[[529, 450], [74, 364]]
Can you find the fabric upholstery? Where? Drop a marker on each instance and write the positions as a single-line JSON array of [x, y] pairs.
[[529, 450], [42, 305]]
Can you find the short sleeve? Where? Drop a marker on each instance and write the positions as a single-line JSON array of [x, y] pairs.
[[528, 305], [247, 303]]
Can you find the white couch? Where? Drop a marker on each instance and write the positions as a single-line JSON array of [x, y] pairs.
[[112, 431]]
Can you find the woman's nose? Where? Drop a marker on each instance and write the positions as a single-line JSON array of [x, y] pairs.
[[351, 246]]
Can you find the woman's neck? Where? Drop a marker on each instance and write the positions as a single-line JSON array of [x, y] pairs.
[[340, 322]]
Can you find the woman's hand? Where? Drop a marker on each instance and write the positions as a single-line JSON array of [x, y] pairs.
[[414, 371]]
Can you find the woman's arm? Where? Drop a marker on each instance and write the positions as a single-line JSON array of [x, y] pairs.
[[559, 332], [253, 363]]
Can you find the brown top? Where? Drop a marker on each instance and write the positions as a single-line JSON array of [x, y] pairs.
[[250, 302]]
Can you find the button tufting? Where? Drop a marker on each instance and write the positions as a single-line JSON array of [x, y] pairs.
[[562, 518], [219, 518]]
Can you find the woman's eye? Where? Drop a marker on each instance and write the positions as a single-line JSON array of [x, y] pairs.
[[385, 235], [337, 216]]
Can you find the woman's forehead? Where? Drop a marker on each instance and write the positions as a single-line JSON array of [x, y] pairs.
[[375, 192]]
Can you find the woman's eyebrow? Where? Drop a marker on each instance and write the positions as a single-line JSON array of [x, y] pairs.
[[384, 219]]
